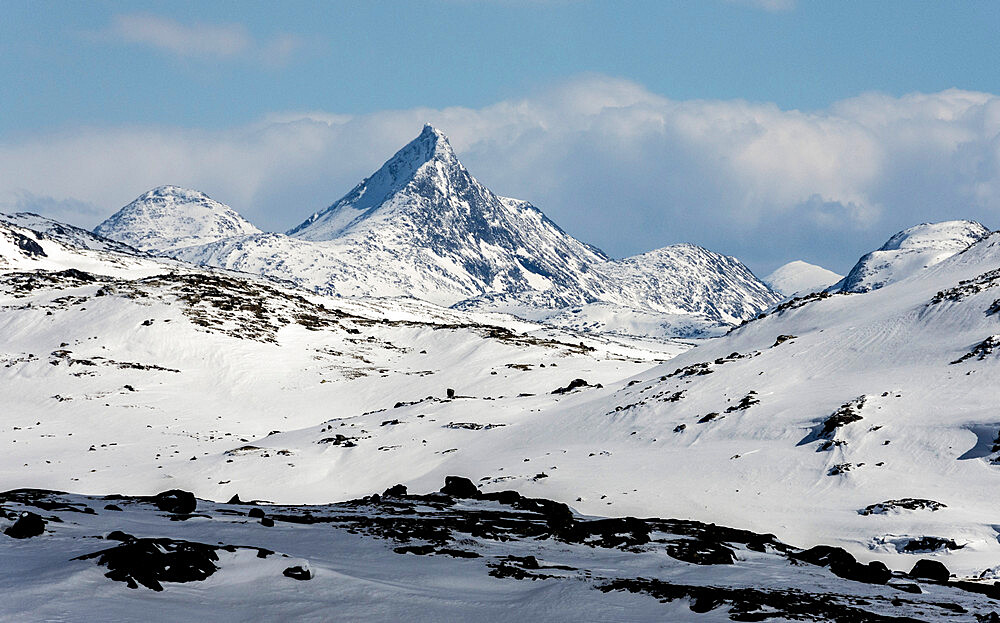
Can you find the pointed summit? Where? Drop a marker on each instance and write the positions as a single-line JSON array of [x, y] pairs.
[[427, 159], [168, 218]]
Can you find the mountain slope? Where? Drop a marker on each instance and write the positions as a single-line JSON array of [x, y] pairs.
[[424, 212], [422, 226], [910, 251], [169, 218], [800, 277]]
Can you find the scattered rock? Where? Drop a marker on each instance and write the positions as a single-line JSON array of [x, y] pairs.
[[459, 487], [926, 569], [298, 572], [151, 561], [28, 525], [176, 501]]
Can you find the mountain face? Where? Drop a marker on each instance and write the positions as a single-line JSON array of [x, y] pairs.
[[800, 277], [909, 252], [423, 207], [169, 218], [423, 226], [67, 234]]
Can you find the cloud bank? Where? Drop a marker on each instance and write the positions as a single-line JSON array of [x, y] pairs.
[[613, 163], [199, 40]]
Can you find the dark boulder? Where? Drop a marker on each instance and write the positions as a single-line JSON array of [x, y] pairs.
[[844, 565], [267, 522], [176, 501], [458, 487], [926, 569], [27, 525], [298, 573], [255, 513], [395, 491], [151, 561], [235, 500]]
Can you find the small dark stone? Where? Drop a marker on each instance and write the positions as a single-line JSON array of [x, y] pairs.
[[256, 513], [297, 573], [112, 507], [176, 501], [459, 487], [27, 525], [926, 569], [118, 535], [267, 522], [450, 392]]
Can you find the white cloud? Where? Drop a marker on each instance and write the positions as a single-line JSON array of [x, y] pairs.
[[199, 40], [613, 163], [767, 5]]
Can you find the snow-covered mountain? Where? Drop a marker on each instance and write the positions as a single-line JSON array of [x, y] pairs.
[[67, 234], [800, 277], [422, 226], [911, 251], [864, 421], [169, 218]]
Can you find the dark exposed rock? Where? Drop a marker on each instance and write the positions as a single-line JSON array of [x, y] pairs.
[[151, 561], [176, 501], [27, 525], [574, 384], [395, 491], [235, 500], [298, 573], [118, 535], [255, 513], [745, 403], [751, 604], [930, 544], [844, 565], [267, 522], [912, 504], [459, 487], [701, 552], [926, 569], [781, 339]]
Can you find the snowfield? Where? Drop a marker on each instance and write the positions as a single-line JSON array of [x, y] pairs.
[[798, 467]]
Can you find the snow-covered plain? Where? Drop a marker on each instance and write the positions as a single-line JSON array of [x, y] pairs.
[[864, 421]]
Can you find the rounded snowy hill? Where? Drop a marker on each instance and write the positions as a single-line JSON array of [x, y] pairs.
[[169, 218], [801, 277], [910, 251]]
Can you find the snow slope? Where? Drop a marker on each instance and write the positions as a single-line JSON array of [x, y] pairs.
[[910, 251], [169, 218], [800, 277], [797, 422]]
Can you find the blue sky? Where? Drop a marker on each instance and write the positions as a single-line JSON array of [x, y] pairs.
[[340, 81]]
